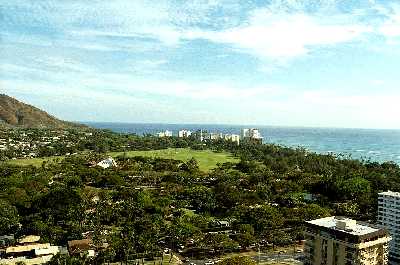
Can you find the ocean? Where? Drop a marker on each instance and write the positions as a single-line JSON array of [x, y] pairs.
[[376, 145]]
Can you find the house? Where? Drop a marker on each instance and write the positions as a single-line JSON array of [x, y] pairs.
[[106, 163], [29, 240], [81, 247], [29, 251], [6, 239], [220, 224]]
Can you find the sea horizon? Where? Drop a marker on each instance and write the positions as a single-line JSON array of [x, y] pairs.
[[238, 125], [378, 145]]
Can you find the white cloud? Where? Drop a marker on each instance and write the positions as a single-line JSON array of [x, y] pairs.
[[213, 90], [391, 26], [283, 35], [368, 110], [125, 83], [123, 97], [284, 29], [112, 54]]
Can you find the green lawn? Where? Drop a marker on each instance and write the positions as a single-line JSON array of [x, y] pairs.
[[207, 159], [36, 162]]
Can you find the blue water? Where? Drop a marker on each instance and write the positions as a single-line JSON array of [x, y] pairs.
[[376, 145]]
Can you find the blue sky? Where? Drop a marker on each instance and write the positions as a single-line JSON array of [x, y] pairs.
[[330, 63]]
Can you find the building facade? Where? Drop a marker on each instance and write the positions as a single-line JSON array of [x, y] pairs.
[[165, 134], [342, 241], [389, 217], [233, 138], [184, 133], [28, 251], [251, 134]]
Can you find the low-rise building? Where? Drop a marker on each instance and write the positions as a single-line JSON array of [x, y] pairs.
[[106, 163], [342, 241], [7, 240], [29, 251], [81, 247]]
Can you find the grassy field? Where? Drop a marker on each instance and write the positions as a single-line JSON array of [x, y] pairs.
[[36, 162], [207, 159]]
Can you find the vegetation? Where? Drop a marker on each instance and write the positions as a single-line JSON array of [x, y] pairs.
[[36, 162], [206, 159], [238, 261], [14, 113], [152, 203]]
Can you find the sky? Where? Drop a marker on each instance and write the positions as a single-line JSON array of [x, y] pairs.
[[319, 63]]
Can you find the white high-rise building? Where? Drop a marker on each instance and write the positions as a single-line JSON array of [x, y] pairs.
[[232, 137], [184, 133], [389, 217], [165, 134], [245, 133], [251, 134], [255, 134]]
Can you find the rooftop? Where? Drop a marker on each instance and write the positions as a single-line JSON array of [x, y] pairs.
[[77, 246], [345, 225], [27, 248], [29, 239], [390, 193]]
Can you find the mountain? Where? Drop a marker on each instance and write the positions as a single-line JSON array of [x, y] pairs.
[[14, 113]]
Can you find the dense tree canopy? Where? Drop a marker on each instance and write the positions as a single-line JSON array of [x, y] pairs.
[[146, 205]]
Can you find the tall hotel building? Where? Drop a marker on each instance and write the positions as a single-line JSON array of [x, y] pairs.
[[389, 217], [342, 241]]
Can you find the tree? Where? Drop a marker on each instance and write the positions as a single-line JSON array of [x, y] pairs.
[[201, 198], [356, 188], [246, 235], [350, 209], [9, 217], [191, 166], [238, 261], [219, 242], [314, 211], [263, 218], [66, 260]]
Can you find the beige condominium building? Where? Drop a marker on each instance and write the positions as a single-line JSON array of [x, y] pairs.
[[389, 218], [343, 241]]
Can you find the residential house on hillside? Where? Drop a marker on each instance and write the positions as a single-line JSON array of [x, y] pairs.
[[81, 247], [106, 163]]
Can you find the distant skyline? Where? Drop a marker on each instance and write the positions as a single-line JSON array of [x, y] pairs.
[[314, 63]]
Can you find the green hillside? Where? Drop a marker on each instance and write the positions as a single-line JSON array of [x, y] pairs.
[[14, 113]]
